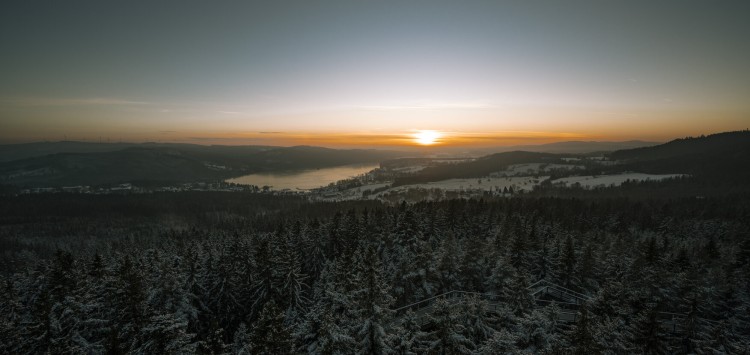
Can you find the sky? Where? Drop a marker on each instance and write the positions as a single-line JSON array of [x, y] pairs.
[[372, 73]]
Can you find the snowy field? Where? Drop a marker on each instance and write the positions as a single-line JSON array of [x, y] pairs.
[[611, 180], [517, 183], [535, 168], [371, 186], [486, 184], [515, 180], [353, 193]]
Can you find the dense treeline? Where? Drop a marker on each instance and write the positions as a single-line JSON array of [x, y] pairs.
[[323, 278], [476, 168], [685, 187]]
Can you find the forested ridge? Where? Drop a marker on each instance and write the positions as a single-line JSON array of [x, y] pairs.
[[323, 278], [97, 164]]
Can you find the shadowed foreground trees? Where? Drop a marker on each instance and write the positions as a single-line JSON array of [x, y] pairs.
[[325, 281]]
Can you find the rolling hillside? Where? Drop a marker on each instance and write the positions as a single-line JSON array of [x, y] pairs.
[[174, 163], [721, 157], [717, 157]]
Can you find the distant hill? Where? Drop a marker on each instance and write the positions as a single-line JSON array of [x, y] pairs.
[[10, 152], [582, 147], [721, 156], [568, 147], [168, 163], [714, 144]]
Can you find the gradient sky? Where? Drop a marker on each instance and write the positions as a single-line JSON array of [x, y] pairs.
[[371, 73]]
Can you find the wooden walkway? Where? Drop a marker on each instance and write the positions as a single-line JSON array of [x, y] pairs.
[[568, 300]]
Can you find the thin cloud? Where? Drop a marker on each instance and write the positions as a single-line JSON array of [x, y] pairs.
[[91, 101], [428, 106]]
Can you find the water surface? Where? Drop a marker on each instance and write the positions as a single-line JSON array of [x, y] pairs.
[[304, 179]]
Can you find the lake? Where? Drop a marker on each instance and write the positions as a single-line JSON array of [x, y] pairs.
[[304, 179]]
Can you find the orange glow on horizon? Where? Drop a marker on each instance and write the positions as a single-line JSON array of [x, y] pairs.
[[409, 139]]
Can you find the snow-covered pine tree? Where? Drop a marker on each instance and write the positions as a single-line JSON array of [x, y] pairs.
[[241, 342], [269, 335], [407, 337], [519, 249], [129, 302], [327, 325], [165, 334], [648, 334], [213, 340], [582, 337], [478, 319], [292, 280], [537, 333], [448, 335], [473, 263], [502, 342], [372, 301], [313, 246], [447, 269], [264, 280], [569, 259], [500, 278], [518, 296]]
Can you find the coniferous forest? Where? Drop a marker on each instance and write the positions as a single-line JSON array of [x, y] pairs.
[[374, 177], [217, 273]]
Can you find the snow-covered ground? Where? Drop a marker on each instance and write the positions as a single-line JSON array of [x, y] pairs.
[[372, 186], [535, 168], [486, 184], [517, 183], [353, 193], [611, 180], [518, 177]]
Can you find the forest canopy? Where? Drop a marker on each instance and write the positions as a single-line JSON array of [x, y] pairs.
[[234, 273]]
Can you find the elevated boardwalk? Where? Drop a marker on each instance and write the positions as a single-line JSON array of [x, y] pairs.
[[567, 300], [561, 294]]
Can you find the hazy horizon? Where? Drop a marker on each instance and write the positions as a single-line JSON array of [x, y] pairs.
[[239, 142], [341, 74]]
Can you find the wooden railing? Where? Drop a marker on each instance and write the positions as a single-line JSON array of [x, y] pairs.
[[569, 303]]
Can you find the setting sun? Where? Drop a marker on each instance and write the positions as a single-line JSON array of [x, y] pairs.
[[427, 137]]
